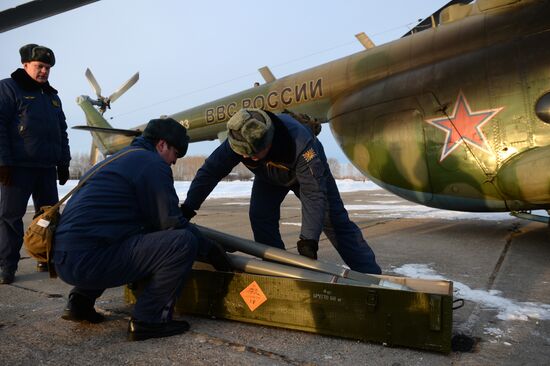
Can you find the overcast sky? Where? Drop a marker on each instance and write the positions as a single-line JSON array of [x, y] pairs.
[[192, 52]]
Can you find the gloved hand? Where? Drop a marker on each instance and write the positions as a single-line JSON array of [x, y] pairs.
[[187, 212], [308, 248], [62, 174], [5, 175], [217, 257]]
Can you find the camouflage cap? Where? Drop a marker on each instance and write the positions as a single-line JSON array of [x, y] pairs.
[[34, 52], [249, 131], [169, 130]]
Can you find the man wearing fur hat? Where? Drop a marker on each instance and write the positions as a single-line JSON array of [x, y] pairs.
[[284, 156], [34, 150]]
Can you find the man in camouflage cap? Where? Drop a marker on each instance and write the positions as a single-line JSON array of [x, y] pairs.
[[250, 132], [285, 156], [34, 150]]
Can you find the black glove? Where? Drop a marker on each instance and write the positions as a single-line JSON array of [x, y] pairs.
[[217, 257], [308, 248], [5, 175], [187, 212], [62, 174]]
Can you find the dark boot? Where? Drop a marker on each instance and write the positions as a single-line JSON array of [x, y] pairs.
[[6, 276], [81, 308], [139, 331]]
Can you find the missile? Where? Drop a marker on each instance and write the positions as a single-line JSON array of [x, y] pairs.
[[290, 259], [255, 266]]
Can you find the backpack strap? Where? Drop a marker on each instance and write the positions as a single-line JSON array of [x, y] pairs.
[[83, 181]]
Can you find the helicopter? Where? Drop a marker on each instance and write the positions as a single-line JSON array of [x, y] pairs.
[[453, 115]]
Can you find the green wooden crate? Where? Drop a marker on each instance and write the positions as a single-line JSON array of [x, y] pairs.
[[421, 318]]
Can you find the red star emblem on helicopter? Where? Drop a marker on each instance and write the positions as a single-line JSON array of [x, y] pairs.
[[464, 126]]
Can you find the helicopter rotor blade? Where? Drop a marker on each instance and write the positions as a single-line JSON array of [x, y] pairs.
[[124, 88], [93, 82]]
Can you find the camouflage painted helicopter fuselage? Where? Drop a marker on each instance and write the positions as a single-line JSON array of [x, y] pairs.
[[444, 117]]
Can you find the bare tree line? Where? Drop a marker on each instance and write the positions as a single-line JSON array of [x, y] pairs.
[[187, 167]]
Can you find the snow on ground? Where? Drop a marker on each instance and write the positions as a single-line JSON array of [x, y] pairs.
[[236, 189], [388, 208], [507, 309], [411, 210]]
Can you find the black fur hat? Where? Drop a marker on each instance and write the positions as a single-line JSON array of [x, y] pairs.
[[34, 52], [171, 131]]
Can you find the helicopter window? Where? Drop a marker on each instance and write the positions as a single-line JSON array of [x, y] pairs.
[[542, 108]]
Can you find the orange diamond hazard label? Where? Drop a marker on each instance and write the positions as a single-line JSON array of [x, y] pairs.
[[253, 296]]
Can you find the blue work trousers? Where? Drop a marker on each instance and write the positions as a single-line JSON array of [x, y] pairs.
[[163, 258], [345, 236], [41, 184]]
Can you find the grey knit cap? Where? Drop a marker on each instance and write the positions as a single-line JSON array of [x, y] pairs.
[[250, 131]]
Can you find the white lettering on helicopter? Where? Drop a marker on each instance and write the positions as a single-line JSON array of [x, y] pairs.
[[273, 100]]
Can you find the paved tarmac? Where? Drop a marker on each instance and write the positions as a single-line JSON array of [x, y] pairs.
[[509, 259]]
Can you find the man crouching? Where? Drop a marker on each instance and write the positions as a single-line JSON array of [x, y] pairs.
[[124, 225]]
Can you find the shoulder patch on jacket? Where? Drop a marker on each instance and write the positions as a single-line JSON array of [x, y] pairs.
[[309, 155]]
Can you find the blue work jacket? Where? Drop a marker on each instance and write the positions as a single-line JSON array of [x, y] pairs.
[[295, 160], [33, 130], [131, 195]]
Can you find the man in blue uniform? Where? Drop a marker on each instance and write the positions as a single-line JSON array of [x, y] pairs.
[[34, 150], [124, 225], [285, 156]]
